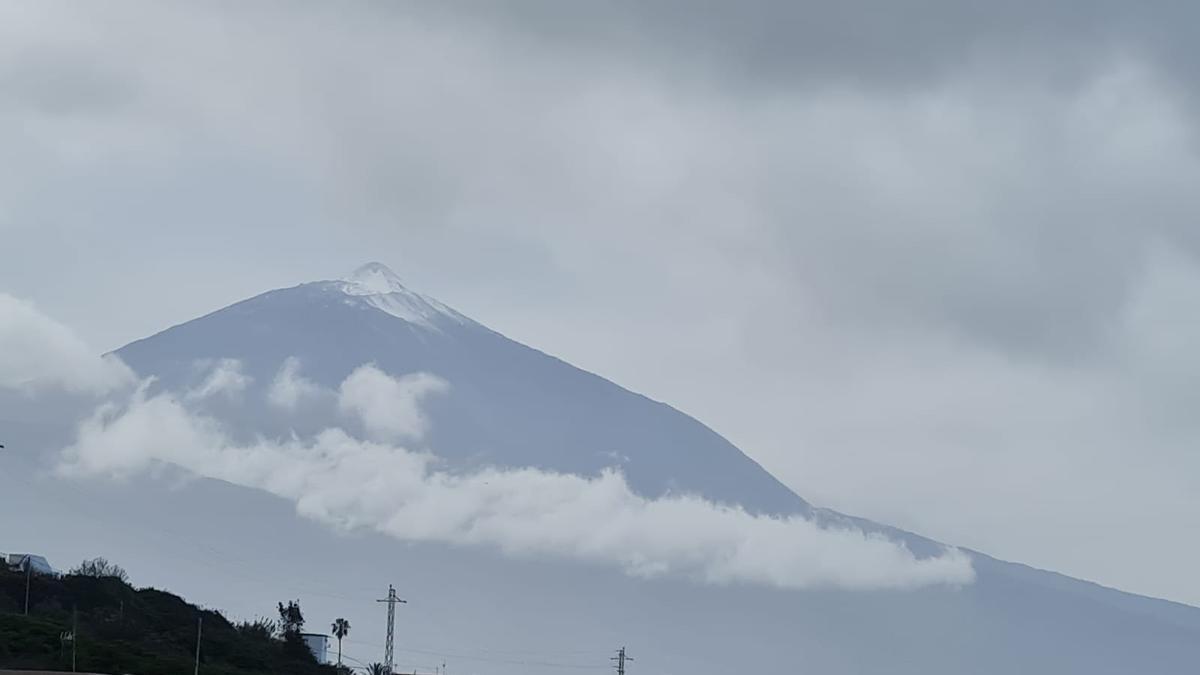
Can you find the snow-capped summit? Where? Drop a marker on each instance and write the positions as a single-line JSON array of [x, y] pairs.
[[373, 278], [376, 285]]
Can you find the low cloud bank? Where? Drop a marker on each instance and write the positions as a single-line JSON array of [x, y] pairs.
[[348, 482], [377, 484]]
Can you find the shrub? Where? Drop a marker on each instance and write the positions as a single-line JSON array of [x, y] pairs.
[[99, 568]]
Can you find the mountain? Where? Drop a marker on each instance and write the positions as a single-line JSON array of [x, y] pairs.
[[508, 405], [511, 405]]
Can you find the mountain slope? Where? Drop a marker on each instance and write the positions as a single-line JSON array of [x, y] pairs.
[[510, 405]]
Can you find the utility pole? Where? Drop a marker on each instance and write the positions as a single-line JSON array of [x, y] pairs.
[[28, 575], [74, 635], [199, 631], [621, 658], [391, 600]]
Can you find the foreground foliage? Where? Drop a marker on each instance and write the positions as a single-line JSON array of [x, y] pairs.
[[126, 630]]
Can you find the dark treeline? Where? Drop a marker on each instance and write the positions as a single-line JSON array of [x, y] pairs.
[[122, 629]]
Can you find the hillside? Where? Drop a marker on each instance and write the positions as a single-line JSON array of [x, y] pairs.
[[122, 629]]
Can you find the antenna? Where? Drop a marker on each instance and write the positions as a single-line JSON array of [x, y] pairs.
[[391, 601]]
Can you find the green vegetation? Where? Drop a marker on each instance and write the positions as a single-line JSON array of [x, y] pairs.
[[144, 631]]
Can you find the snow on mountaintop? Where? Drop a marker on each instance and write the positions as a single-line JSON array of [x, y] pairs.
[[376, 285], [373, 279]]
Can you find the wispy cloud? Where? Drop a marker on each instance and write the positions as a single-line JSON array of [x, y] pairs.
[[290, 388], [224, 379]]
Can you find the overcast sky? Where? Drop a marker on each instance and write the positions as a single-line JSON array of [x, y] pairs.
[[932, 263]]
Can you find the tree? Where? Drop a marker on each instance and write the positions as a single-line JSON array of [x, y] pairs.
[[100, 568], [341, 628], [291, 621], [377, 669]]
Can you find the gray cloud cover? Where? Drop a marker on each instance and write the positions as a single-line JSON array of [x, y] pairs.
[[907, 256]]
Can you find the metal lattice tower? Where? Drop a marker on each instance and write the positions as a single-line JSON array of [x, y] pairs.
[[391, 600], [621, 658]]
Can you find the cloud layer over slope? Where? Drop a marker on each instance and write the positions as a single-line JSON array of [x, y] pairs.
[[376, 484], [348, 482]]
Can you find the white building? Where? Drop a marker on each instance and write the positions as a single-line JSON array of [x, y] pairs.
[[18, 561], [318, 644]]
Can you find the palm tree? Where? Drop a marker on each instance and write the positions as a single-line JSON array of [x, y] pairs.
[[377, 669], [341, 628]]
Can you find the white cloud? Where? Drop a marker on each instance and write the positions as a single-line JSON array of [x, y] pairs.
[[337, 479], [225, 379], [289, 387], [37, 351], [388, 407]]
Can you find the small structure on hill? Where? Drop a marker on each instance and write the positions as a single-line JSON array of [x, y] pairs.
[[21, 561], [318, 644]]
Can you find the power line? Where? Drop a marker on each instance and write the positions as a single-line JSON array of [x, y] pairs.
[[486, 659], [364, 665], [489, 653]]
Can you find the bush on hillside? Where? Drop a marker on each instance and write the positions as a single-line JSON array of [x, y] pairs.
[[99, 568]]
